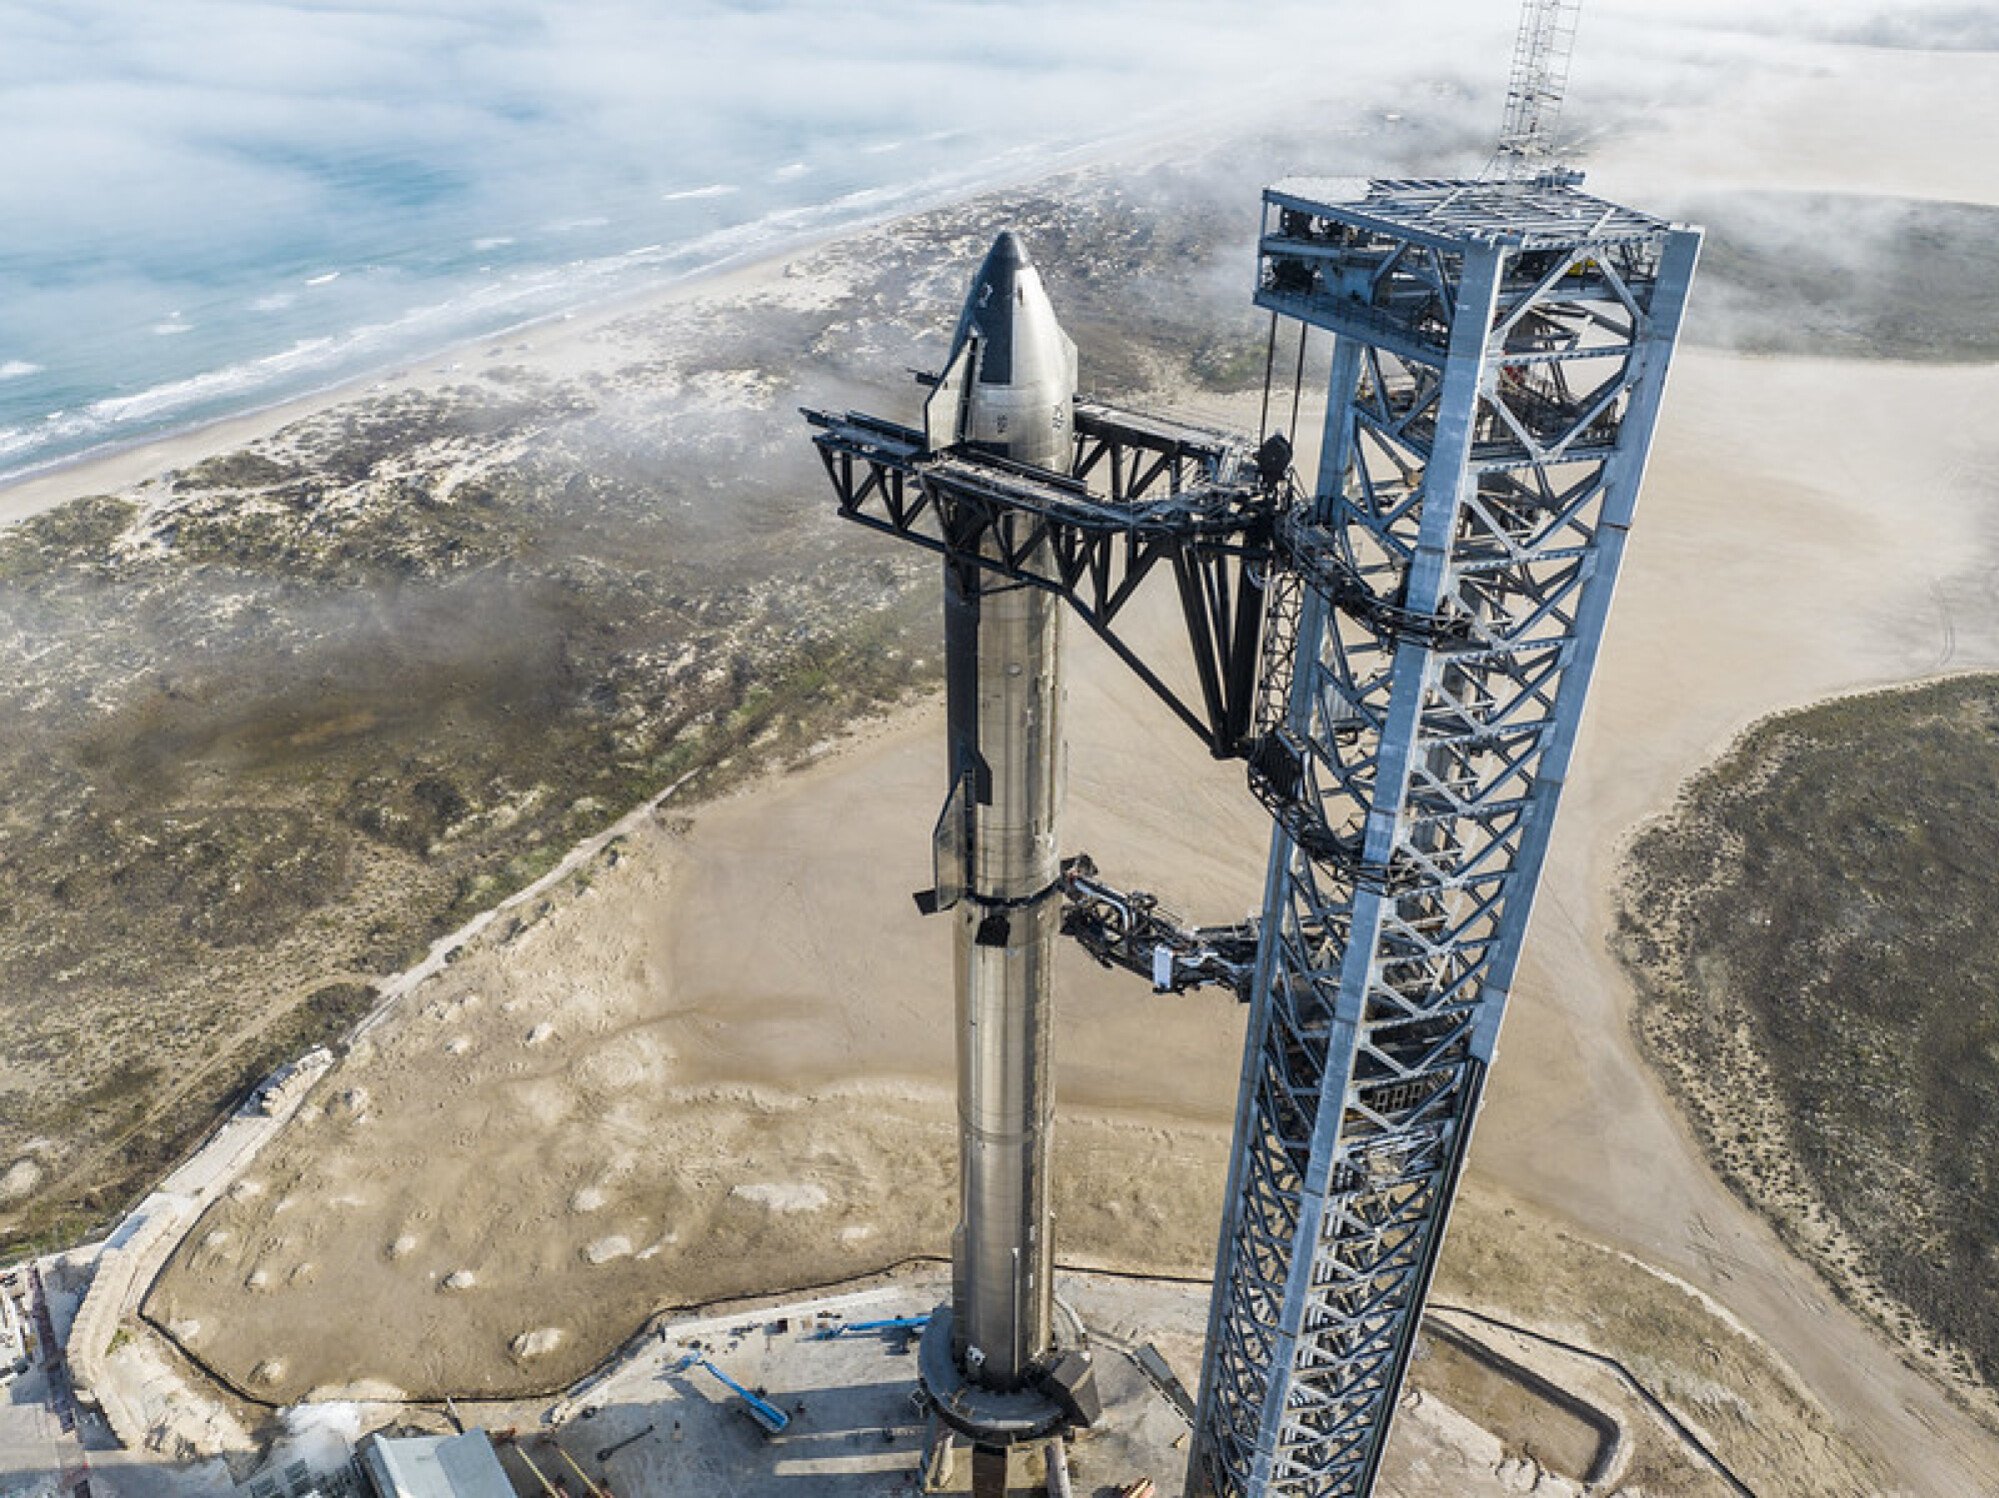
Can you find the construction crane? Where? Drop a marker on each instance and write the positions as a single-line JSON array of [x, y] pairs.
[[1399, 653]]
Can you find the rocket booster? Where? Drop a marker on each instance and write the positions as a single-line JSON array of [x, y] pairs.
[[1007, 388]]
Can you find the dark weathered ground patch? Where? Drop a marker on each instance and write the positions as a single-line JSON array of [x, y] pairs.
[[285, 723], [1812, 932], [1846, 276]]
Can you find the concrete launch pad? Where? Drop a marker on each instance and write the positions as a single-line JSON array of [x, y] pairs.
[[1492, 1411], [857, 1425]]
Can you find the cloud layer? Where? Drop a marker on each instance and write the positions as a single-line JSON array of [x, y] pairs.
[[139, 136], [181, 180]]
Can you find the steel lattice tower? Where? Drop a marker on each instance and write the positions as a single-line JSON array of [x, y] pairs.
[[1534, 91], [1501, 349]]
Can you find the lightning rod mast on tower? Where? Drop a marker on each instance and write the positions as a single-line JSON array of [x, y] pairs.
[[1534, 91]]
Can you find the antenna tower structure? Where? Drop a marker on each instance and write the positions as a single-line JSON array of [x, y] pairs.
[[1540, 78]]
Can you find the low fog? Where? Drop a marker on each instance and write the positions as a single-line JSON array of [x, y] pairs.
[[187, 180]]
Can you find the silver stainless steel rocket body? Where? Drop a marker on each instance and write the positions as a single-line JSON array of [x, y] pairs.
[[1009, 388]]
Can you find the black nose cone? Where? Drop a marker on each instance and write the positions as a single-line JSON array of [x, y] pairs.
[[990, 307], [1007, 253]]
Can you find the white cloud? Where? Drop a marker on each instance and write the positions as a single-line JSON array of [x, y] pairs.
[[204, 147], [116, 117]]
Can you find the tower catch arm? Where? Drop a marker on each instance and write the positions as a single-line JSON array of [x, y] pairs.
[[1143, 494], [1133, 931]]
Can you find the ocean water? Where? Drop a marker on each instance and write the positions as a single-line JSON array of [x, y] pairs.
[[91, 362], [211, 205]]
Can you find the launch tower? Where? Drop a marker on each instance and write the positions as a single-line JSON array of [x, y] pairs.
[[1400, 656], [1500, 353]]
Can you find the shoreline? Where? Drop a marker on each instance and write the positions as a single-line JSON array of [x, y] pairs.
[[125, 463], [117, 466]]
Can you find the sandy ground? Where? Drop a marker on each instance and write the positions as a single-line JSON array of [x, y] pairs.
[[1796, 541], [691, 1077], [709, 1061], [1826, 119]]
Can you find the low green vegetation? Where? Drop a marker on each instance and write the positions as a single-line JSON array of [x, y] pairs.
[[283, 719], [1812, 932]]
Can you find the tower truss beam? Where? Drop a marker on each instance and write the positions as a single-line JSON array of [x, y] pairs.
[[1144, 495]]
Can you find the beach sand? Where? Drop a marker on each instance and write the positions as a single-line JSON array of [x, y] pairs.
[[561, 346]]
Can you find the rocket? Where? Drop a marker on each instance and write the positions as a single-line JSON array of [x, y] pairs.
[[1008, 388], [1009, 385]]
